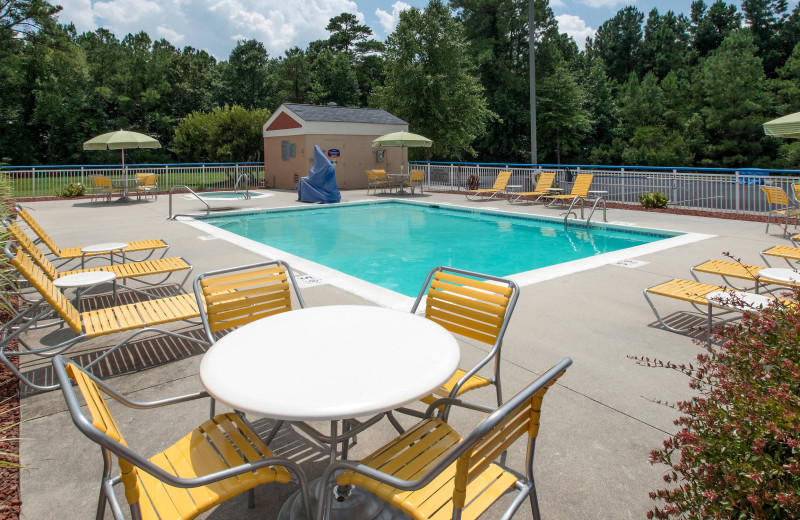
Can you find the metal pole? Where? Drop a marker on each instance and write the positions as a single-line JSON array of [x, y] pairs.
[[532, 65]]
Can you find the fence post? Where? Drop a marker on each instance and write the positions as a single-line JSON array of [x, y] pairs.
[[204, 176], [736, 179], [82, 175], [622, 189], [33, 181], [674, 184], [166, 177]]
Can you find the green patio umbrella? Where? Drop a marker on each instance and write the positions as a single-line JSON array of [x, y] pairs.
[[120, 140], [403, 140], [786, 126]]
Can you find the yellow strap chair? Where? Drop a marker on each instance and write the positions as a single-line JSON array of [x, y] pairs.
[[130, 271], [415, 180], [499, 187], [473, 305], [373, 182], [73, 253], [135, 318], [146, 184], [543, 186], [785, 207], [728, 269], [580, 190], [217, 461], [790, 254], [103, 187], [430, 471]]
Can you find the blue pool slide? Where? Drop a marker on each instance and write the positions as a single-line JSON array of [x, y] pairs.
[[320, 184]]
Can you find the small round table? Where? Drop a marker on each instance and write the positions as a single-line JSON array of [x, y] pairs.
[[329, 364], [80, 281], [735, 301], [779, 276], [108, 247]]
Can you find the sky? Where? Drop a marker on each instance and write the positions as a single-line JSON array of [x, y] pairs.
[[216, 25]]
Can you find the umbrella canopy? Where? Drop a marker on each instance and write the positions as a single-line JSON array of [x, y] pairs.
[[786, 126], [120, 140], [403, 140]]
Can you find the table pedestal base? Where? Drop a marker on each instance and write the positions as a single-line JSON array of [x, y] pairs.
[[359, 504]]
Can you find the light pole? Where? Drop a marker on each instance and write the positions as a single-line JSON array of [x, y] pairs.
[[532, 58]]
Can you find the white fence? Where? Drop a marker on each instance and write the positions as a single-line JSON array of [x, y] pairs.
[[734, 191], [31, 182]]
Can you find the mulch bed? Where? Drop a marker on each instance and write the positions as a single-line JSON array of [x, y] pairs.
[[10, 502]]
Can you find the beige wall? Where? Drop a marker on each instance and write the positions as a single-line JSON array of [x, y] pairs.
[[357, 155]]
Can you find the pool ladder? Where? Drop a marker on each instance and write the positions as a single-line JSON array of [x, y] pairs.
[[597, 200], [172, 189], [246, 185]]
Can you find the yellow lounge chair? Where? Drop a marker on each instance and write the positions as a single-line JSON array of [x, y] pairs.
[[430, 471], [787, 253], [74, 253], [728, 269], [543, 186], [580, 190], [130, 271], [139, 317], [473, 305], [786, 208], [219, 460], [499, 187]]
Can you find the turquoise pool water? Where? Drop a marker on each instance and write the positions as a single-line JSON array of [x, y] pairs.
[[395, 244]]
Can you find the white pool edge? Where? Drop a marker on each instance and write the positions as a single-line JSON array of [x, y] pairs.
[[394, 300]]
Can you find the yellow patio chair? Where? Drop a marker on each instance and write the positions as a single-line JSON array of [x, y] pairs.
[[138, 271], [213, 463], [102, 186], [473, 305], [373, 182], [415, 180], [790, 254], [135, 318], [543, 186], [785, 207], [430, 471], [146, 184], [580, 190], [500, 184], [74, 253]]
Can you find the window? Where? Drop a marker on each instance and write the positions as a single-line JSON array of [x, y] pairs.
[[288, 150]]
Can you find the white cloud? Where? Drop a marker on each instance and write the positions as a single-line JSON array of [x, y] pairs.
[[575, 27], [126, 11], [389, 20], [557, 3], [171, 36], [607, 3]]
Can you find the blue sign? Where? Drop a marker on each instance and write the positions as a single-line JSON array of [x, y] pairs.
[[333, 152]]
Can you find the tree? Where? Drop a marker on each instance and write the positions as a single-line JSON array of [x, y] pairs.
[[709, 28], [246, 78], [666, 43], [23, 18], [226, 134], [346, 33], [603, 113], [618, 43], [561, 119], [765, 19], [732, 85], [431, 83], [292, 76], [334, 80]]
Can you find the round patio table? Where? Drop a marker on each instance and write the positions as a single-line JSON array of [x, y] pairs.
[[329, 364]]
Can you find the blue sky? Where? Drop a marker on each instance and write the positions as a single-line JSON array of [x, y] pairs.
[[216, 25]]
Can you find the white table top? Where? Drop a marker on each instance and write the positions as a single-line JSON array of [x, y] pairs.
[[105, 247], [744, 301], [84, 279], [780, 274], [329, 363]]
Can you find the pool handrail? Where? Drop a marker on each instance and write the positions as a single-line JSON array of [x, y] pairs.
[[173, 217]]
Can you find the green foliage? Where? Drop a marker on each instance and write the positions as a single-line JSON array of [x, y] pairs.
[[737, 452], [334, 80], [227, 134], [653, 199], [75, 189], [618, 43], [431, 84]]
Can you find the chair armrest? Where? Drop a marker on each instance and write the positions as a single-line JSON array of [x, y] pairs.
[[450, 401]]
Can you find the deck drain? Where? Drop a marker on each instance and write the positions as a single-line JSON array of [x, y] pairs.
[[630, 263], [306, 280]]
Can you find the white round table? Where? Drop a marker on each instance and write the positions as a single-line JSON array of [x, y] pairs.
[[329, 363], [107, 247], [82, 280], [738, 301], [779, 275]]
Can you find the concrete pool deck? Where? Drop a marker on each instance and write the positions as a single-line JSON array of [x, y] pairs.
[[598, 424]]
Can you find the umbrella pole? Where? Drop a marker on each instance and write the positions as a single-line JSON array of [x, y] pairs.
[[124, 197]]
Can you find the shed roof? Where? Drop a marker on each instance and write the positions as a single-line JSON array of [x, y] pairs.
[[344, 114]]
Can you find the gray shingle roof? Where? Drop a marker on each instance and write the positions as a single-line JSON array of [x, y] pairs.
[[344, 114]]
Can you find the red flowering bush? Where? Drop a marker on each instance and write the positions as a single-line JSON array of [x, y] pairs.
[[737, 454]]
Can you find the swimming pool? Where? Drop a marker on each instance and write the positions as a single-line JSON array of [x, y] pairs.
[[394, 244]]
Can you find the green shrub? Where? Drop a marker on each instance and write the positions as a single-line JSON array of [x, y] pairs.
[[737, 453], [75, 189], [653, 199]]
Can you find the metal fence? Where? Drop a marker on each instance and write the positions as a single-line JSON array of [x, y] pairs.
[[49, 181], [716, 190]]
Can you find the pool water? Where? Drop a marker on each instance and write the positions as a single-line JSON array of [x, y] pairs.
[[395, 244]]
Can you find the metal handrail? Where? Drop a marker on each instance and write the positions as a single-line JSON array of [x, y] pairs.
[[173, 217], [246, 186], [594, 207]]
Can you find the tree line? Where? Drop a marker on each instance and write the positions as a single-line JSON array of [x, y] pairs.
[[663, 89]]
